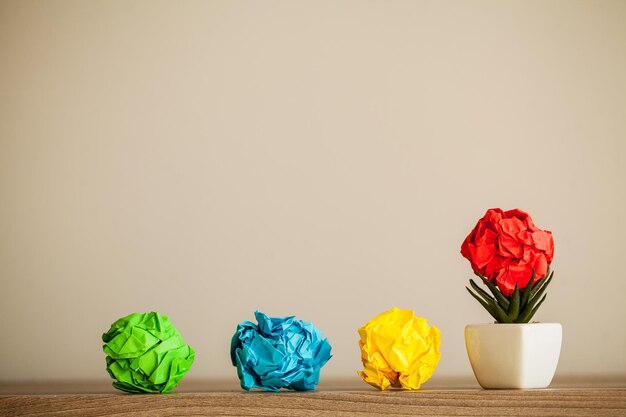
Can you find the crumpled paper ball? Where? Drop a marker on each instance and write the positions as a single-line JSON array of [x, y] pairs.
[[508, 249], [278, 352], [146, 354], [398, 350]]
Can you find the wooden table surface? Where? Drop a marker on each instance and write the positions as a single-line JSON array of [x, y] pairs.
[[569, 397]]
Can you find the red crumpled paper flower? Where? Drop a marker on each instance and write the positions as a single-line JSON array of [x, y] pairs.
[[506, 246]]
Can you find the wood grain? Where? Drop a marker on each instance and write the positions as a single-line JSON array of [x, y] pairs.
[[363, 402]]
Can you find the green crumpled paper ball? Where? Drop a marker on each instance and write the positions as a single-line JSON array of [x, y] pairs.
[[146, 354]]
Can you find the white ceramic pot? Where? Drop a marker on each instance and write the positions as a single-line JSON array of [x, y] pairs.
[[514, 355]]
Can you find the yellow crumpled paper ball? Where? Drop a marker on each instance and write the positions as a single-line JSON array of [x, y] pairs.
[[398, 349]]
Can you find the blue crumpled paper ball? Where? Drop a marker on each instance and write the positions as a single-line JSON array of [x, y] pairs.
[[279, 352]]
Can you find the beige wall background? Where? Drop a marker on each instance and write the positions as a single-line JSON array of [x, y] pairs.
[[324, 159]]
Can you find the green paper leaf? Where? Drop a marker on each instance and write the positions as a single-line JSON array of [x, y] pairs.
[[490, 308], [513, 312], [529, 315], [527, 291], [481, 292], [502, 300], [540, 288], [539, 284], [497, 311]]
